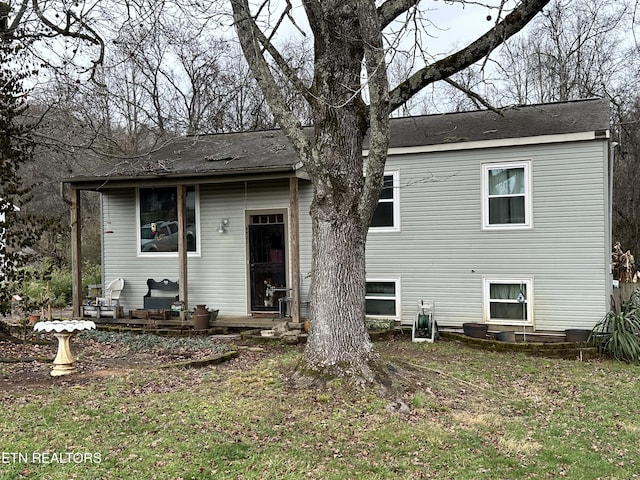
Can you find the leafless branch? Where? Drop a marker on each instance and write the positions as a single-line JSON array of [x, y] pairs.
[[473, 95], [469, 55], [252, 48], [391, 9], [282, 64]]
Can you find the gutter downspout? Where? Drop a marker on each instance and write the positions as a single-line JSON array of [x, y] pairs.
[[612, 146]]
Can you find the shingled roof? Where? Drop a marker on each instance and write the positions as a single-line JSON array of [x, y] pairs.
[[512, 122], [269, 150]]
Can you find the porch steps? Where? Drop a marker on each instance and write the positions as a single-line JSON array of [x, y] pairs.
[[263, 322]]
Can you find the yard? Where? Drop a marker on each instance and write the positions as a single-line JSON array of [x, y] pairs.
[[466, 414]]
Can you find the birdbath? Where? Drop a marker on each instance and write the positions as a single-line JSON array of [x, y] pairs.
[[63, 330]]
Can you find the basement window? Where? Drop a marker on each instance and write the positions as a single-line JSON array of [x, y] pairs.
[[382, 298], [508, 301]]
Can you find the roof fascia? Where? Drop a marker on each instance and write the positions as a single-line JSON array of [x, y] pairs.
[[502, 142], [108, 183]]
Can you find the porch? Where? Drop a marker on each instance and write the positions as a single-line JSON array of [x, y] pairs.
[[222, 322]]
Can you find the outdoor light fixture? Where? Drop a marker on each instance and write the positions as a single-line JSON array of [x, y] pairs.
[[224, 223]]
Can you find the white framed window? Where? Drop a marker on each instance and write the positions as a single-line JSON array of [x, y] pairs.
[[506, 195], [157, 220], [386, 218], [383, 297], [508, 301]]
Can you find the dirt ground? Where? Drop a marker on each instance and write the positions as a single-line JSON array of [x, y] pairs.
[[26, 366]]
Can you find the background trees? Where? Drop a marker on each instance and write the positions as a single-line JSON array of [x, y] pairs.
[[16, 146], [122, 79]]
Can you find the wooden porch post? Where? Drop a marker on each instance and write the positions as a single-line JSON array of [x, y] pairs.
[[294, 228], [76, 252], [183, 290]]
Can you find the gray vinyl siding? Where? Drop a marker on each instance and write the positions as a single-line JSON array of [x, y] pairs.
[[442, 253], [305, 198], [218, 272]]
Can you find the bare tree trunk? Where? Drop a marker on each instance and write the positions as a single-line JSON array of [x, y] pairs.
[[347, 187], [339, 343]]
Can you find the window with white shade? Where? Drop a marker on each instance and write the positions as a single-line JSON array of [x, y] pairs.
[[508, 300], [506, 195]]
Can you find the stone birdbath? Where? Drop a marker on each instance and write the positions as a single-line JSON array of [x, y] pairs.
[[63, 330]]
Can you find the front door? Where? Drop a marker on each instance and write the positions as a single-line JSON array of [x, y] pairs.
[[267, 273]]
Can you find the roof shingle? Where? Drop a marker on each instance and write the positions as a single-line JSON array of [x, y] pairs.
[[269, 150]]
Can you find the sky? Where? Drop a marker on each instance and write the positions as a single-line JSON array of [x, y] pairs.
[[454, 22]]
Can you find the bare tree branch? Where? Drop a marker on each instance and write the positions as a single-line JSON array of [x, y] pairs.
[[18, 17], [251, 46], [378, 84], [73, 25], [391, 9], [282, 64], [469, 55], [473, 95]]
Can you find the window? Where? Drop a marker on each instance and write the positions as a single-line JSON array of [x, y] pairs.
[[506, 195], [158, 219], [382, 298], [387, 214], [267, 219], [508, 301]]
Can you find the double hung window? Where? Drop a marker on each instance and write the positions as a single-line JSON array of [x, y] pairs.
[[506, 192], [387, 215]]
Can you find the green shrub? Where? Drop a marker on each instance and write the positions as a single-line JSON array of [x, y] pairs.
[[44, 281], [91, 275], [379, 323], [618, 333]]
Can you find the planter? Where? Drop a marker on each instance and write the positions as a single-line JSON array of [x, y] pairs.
[[506, 336], [201, 317], [577, 335], [33, 319], [475, 330]]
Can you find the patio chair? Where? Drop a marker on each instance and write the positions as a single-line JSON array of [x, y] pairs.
[[112, 293]]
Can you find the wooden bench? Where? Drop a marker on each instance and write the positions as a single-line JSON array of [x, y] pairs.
[[161, 295]]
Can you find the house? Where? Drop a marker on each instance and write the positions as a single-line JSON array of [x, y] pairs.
[[502, 219]]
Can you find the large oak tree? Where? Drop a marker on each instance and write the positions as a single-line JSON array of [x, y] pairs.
[[349, 37]]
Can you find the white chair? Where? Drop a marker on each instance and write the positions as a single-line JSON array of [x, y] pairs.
[[112, 293]]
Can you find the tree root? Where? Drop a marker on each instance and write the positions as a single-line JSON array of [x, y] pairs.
[[6, 336], [375, 373]]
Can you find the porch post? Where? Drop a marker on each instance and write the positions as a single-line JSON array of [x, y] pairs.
[[294, 229], [76, 252], [183, 291]]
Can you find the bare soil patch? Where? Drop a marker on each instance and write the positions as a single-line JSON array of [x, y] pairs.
[[26, 366]]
